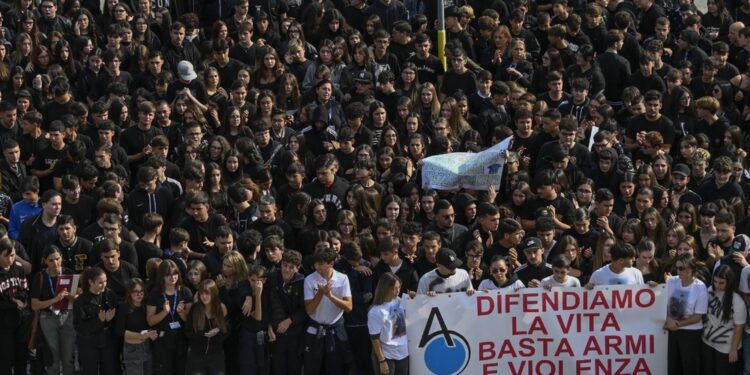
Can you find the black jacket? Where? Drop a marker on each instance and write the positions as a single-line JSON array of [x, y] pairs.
[[10, 181], [139, 203], [405, 273], [86, 312], [287, 301]]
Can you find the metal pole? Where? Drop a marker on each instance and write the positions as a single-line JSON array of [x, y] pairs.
[[441, 32]]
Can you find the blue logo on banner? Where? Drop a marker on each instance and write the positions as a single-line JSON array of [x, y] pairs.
[[446, 352]]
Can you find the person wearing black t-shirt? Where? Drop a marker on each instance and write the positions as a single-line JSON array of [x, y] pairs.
[[147, 246], [429, 67], [45, 160], [652, 120], [202, 224], [428, 260], [555, 96], [269, 216], [136, 140], [711, 124], [119, 272], [81, 207], [459, 77], [645, 78], [561, 209], [131, 324], [167, 308], [56, 323]]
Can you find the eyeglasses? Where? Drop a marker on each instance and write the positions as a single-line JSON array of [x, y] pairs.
[[474, 256], [499, 270], [137, 291]]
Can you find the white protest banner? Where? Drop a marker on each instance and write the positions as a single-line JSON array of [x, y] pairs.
[[568, 331], [465, 170]]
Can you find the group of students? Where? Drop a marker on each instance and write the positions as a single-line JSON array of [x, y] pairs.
[[235, 187]]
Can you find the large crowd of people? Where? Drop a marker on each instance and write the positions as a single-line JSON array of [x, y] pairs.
[[235, 187]]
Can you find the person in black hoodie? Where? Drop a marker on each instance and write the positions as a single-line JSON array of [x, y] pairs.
[[93, 313], [14, 311], [327, 186], [288, 317], [147, 197], [206, 328]]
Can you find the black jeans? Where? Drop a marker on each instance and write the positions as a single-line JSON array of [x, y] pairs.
[[205, 364], [684, 353], [98, 354], [13, 350], [286, 355], [170, 358], [359, 341]]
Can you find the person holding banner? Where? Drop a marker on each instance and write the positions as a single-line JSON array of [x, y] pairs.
[[620, 270], [386, 322], [687, 304], [447, 277], [501, 277]]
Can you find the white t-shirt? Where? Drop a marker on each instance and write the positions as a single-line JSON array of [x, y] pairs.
[[628, 276], [684, 301], [432, 282], [571, 282], [745, 288], [717, 333], [388, 322], [327, 312], [488, 284]]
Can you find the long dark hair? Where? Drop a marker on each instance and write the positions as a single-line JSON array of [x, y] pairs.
[[199, 309], [166, 268], [726, 273]]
